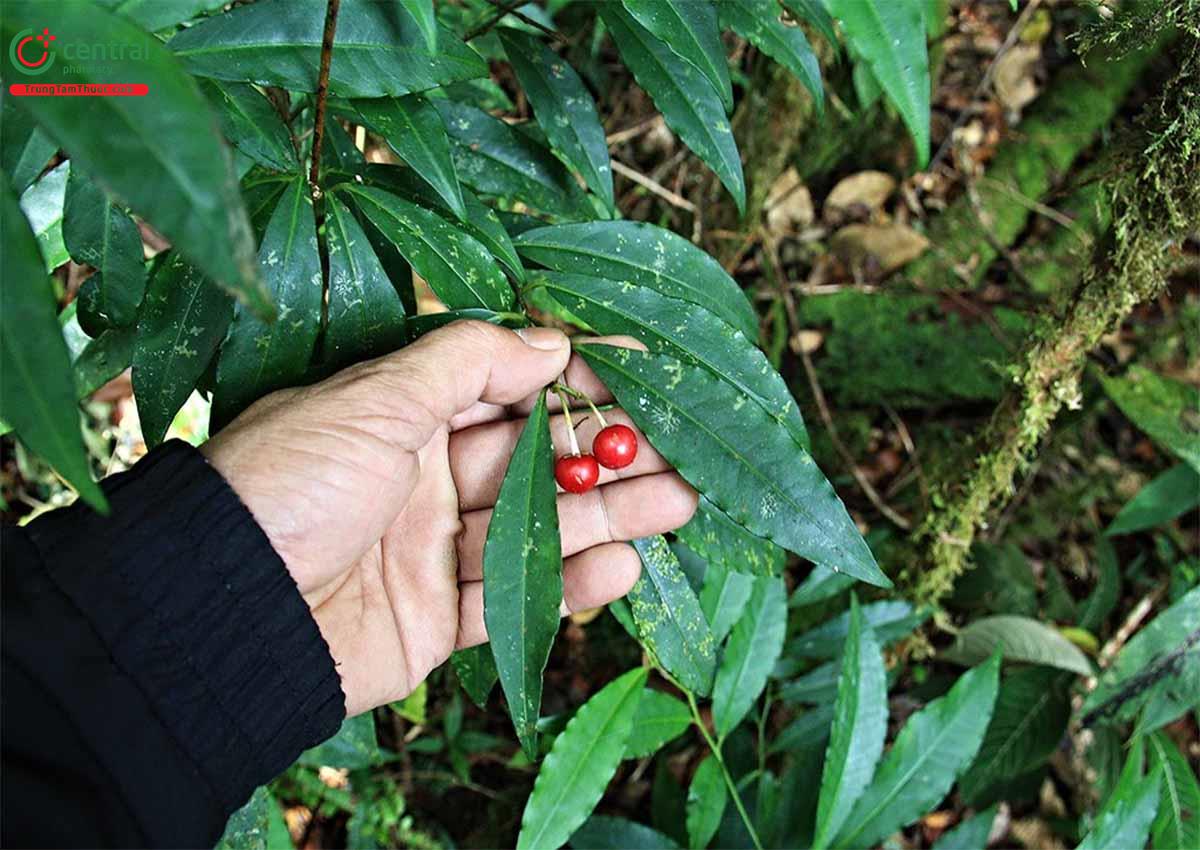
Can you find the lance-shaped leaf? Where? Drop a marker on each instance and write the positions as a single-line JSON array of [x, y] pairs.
[[1126, 819], [889, 620], [758, 22], [689, 28], [933, 748], [156, 15], [859, 726], [970, 834], [581, 762], [684, 331], [179, 329], [668, 618], [161, 154], [563, 107], [1031, 715], [660, 718], [522, 575], [413, 128], [712, 535], [723, 598], [815, 13], [890, 37], [24, 147], [1161, 407], [102, 359], [366, 318], [732, 452], [103, 236], [1171, 494], [1022, 639], [754, 645], [493, 158], [476, 671], [605, 832], [380, 49], [43, 204], [460, 271], [352, 748], [422, 12], [481, 221], [37, 394], [706, 800], [258, 358], [690, 106], [820, 584], [1094, 610], [1177, 825], [643, 255], [251, 124]]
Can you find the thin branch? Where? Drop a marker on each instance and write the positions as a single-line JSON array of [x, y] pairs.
[[511, 8], [331, 14], [655, 187]]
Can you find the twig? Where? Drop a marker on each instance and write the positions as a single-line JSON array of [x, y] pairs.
[[511, 9], [491, 22], [655, 187], [331, 14], [632, 132], [1118, 640], [911, 447]]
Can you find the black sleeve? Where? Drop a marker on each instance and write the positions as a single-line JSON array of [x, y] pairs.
[[158, 664]]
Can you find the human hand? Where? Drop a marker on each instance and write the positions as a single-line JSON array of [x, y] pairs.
[[376, 488]]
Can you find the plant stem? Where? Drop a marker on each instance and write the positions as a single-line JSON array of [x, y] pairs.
[[562, 397], [331, 14], [729, 783]]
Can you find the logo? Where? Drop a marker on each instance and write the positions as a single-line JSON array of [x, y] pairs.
[[32, 54]]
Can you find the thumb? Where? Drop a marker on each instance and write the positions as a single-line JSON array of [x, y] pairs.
[[448, 370]]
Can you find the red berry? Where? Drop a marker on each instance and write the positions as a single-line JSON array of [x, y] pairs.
[[577, 473], [615, 446]]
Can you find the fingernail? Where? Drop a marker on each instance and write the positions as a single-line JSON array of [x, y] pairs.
[[546, 339]]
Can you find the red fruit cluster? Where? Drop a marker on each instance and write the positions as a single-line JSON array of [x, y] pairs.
[[615, 447]]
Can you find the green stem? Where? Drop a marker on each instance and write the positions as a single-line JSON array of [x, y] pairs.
[[729, 783]]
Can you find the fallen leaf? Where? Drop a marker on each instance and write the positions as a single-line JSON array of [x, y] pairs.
[[859, 195], [1013, 77], [789, 205], [878, 248]]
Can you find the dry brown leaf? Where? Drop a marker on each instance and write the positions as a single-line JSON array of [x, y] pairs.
[[789, 205], [878, 248], [859, 195], [1013, 77]]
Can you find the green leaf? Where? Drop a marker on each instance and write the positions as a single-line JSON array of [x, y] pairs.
[[423, 13], [859, 726], [772, 488], [660, 719], [754, 645], [808, 733], [758, 22], [161, 155], [582, 761], [522, 576], [815, 13], [251, 124], [723, 598], [1177, 825], [155, 15], [476, 671], [1126, 819], [37, 394], [668, 617], [970, 834], [24, 147], [1100, 603], [933, 748], [178, 331], [352, 748], [706, 800], [413, 128], [689, 28], [820, 584], [604, 832], [890, 37], [712, 535], [1030, 718], [482, 222], [1020, 639], [1174, 695], [563, 107], [1002, 582], [1171, 494], [43, 204], [248, 826], [681, 330], [690, 106], [889, 621], [1172, 632], [460, 271], [102, 359], [380, 48], [258, 358], [631, 252], [366, 318], [493, 158], [98, 233], [1164, 409]]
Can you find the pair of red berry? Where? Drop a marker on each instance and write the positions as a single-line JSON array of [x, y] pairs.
[[614, 447]]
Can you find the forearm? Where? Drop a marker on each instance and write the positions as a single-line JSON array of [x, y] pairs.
[[169, 644]]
